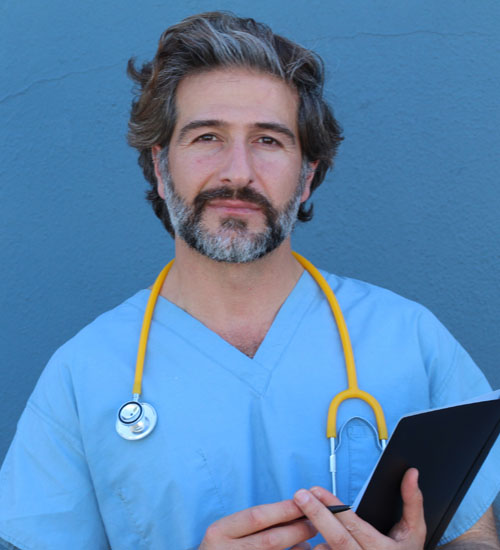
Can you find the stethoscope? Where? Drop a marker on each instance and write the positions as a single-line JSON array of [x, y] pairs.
[[137, 419]]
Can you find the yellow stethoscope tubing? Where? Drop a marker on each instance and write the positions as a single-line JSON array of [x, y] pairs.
[[146, 324], [352, 391]]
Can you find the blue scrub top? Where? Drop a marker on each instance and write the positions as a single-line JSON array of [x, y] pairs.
[[232, 432]]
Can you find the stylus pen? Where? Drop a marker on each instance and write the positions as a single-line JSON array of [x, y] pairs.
[[339, 508], [335, 509]]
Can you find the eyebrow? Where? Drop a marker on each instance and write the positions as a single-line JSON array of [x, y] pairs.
[[195, 124], [214, 123], [277, 127]]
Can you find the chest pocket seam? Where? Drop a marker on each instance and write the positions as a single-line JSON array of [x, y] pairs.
[[214, 483], [137, 527]]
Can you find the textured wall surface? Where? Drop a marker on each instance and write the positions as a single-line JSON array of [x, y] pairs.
[[413, 203]]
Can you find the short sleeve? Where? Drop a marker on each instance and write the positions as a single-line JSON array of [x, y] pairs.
[[47, 499], [464, 381]]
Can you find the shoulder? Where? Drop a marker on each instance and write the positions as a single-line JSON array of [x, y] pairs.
[[384, 317], [372, 299], [96, 359], [112, 324], [112, 332]]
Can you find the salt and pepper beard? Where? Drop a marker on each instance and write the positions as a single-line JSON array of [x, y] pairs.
[[232, 241]]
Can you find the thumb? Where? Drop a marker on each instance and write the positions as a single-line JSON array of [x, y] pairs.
[[412, 523]]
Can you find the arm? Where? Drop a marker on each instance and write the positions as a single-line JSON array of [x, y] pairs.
[[481, 536]]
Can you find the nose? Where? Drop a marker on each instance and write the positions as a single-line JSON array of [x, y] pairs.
[[238, 167]]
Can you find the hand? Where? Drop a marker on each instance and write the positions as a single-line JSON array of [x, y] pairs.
[[347, 531], [265, 527]]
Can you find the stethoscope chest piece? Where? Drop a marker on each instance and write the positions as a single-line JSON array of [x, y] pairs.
[[135, 420]]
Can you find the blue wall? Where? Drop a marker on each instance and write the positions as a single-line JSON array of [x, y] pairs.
[[413, 203]]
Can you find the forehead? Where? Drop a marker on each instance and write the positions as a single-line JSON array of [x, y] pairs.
[[236, 97]]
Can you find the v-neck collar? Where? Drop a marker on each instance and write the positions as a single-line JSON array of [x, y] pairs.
[[257, 371]]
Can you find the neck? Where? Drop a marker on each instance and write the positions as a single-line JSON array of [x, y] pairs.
[[237, 301]]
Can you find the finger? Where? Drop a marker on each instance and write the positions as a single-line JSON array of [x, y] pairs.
[[282, 536], [257, 518], [362, 532], [413, 500], [412, 524], [333, 531], [327, 498], [302, 546]]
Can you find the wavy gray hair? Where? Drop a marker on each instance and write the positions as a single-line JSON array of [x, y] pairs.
[[220, 39]]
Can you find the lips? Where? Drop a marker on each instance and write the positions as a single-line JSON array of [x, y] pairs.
[[233, 202], [234, 205]]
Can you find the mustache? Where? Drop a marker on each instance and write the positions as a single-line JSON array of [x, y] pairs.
[[246, 194]]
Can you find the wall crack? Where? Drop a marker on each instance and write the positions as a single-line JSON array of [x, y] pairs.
[[59, 78], [401, 35]]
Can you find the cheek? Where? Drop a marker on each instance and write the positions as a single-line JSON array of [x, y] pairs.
[[191, 174], [204, 165], [279, 177]]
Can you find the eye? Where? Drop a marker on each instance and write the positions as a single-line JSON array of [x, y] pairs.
[[268, 140], [206, 137]]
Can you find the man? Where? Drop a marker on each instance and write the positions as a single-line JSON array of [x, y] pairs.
[[243, 355]]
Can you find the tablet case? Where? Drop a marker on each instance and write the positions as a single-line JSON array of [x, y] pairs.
[[447, 446]]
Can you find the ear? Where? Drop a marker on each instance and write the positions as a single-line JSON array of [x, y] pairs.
[[310, 175], [155, 153]]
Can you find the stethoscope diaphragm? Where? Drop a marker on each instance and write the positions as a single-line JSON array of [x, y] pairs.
[[135, 420]]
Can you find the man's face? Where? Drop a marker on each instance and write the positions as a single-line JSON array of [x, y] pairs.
[[234, 178]]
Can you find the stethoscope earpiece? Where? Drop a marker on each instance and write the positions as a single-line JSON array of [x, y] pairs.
[[135, 420]]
